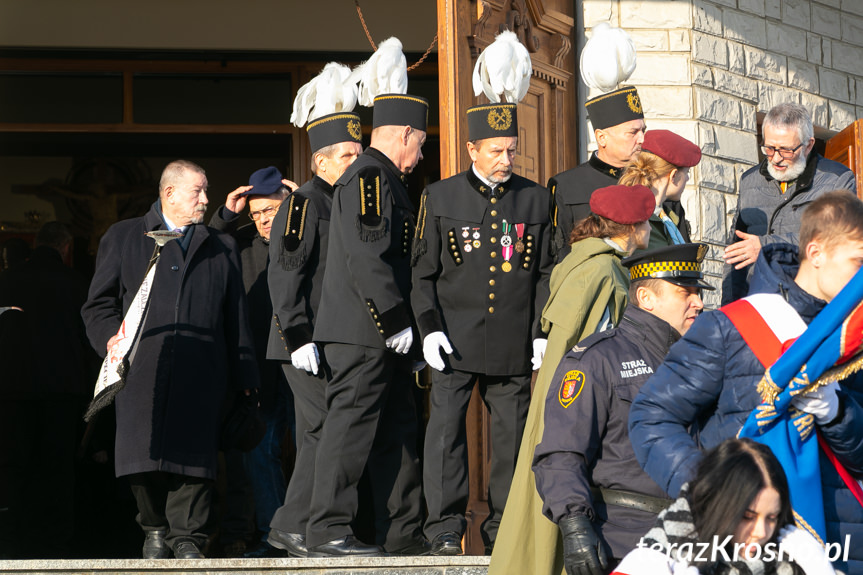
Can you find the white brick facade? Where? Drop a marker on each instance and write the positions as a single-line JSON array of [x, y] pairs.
[[708, 68]]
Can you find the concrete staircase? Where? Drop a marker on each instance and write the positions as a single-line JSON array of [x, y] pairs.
[[462, 565]]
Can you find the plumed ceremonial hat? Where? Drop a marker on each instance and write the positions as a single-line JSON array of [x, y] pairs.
[[334, 129], [492, 121], [614, 108], [264, 182], [679, 264], [502, 73], [623, 204], [326, 104], [401, 110], [674, 149]]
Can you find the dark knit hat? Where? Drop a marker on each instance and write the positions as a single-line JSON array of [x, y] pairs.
[[401, 110], [492, 121], [674, 149], [614, 108], [334, 129], [623, 204], [679, 264]]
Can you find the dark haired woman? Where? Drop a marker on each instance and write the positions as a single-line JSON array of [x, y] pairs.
[[730, 519], [588, 294]]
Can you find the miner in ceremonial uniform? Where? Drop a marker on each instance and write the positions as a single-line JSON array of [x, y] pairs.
[[365, 325], [618, 126], [586, 472], [480, 279], [298, 256]]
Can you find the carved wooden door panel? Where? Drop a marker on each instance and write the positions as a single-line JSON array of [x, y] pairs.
[[846, 147], [547, 127]]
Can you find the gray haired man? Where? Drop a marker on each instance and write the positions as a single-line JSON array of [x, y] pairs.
[[773, 194]]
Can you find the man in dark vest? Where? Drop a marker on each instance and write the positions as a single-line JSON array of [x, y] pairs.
[[481, 273]]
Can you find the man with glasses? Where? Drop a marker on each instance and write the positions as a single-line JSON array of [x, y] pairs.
[[264, 194], [772, 194]]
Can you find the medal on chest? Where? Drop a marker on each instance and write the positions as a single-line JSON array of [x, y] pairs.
[[519, 244], [506, 246]]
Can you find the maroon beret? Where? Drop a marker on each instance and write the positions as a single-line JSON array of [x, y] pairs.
[[674, 149], [623, 204]]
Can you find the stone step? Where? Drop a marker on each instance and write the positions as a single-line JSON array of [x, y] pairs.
[[462, 565]]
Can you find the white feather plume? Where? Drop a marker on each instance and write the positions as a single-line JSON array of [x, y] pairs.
[[608, 58], [385, 72], [503, 70], [327, 93]]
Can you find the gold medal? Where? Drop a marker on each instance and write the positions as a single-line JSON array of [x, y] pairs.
[[506, 266], [476, 244]]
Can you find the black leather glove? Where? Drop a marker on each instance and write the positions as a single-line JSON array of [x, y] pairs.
[[582, 550]]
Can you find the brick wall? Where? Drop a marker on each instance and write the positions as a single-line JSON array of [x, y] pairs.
[[706, 68]]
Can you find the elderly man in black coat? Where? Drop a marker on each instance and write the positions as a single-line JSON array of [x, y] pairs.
[[195, 348]]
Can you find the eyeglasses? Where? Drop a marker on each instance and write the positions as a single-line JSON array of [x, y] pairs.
[[784, 152], [269, 211]]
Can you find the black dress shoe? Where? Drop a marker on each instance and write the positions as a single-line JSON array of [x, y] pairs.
[[419, 546], [345, 546], [187, 550], [293, 543], [155, 546], [446, 543]]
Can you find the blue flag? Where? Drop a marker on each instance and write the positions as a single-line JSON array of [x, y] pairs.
[[832, 339]]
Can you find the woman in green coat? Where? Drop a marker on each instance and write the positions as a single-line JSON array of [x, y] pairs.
[[588, 294]]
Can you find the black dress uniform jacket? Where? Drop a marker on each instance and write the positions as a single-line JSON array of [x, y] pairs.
[[195, 345], [571, 192], [298, 255], [366, 290], [586, 443], [489, 315]]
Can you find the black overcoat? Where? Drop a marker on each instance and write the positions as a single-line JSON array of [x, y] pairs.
[[195, 344]]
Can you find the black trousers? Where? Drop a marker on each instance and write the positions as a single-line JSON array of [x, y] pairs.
[[177, 503], [445, 463], [310, 407], [370, 409]]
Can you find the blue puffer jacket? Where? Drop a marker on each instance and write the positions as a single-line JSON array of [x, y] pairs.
[[707, 385]]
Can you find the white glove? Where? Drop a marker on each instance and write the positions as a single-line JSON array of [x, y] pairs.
[[432, 344], [539, 346], [401, 342], [804, 550], [822, 403], [306, 358]]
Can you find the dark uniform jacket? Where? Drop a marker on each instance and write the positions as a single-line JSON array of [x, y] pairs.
[[195, 346], [460, 286], [254, 252], [571, 191], [298, 256], [367, 283], [710, 379], [586, 442]]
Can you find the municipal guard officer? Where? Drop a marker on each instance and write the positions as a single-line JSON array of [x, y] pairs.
[[365, 325], [298, 256], [480, 277], [618, 127], [586, 472]]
